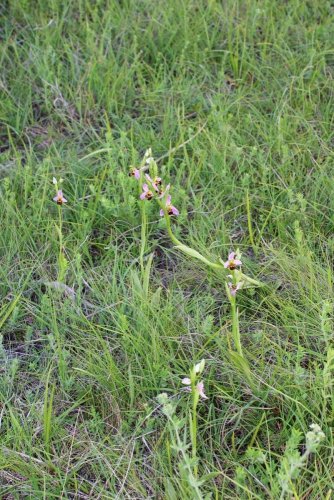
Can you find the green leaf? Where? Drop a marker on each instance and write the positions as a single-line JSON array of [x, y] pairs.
[[241, 364], [196, 255]]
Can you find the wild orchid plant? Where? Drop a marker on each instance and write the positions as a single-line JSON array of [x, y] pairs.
[[196, 387], [59, 284], [188, 464], [151, 187], [60, 200]]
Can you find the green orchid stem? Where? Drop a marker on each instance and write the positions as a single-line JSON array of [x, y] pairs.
[[194, 429], [60, 218], [235, 326], [184, 456], [143, 236], [169, 228]]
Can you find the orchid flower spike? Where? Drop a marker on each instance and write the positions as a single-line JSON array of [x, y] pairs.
[[134, 172], [232, 263], [146, 194], [170, 209], [60, 198]]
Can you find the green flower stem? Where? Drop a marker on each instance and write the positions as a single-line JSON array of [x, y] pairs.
[[235, 325], [143, 235], [185, 460], [169, 228], [60, 234], [193, 422]]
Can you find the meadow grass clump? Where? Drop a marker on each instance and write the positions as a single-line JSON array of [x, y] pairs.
[[216, 245]]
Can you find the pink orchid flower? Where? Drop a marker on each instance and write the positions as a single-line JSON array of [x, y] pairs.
[[146, 194], [234, 288], [134, 172], [232, 262], [60, 198], [163, 193], [200, 390], [156, 183], [170, 209]]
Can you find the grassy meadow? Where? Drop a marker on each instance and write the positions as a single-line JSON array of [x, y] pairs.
[[102, 314]]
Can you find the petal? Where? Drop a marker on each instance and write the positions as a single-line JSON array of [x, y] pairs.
[[143, 196], [237, 262], [145, 188], [175, 211], [55, 198], [148, 178], [226, 264], [54, 180], [168, 199], [186, 381], [64, 200], [137, 173], [200, 390], [231, 256], [162, 213]]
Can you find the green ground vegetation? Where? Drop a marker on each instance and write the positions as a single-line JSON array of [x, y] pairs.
[[235, 98]]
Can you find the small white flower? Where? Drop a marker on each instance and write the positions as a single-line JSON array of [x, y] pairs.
[[54, 180]]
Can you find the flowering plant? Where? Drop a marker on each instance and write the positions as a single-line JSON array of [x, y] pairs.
[[152, 187]]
